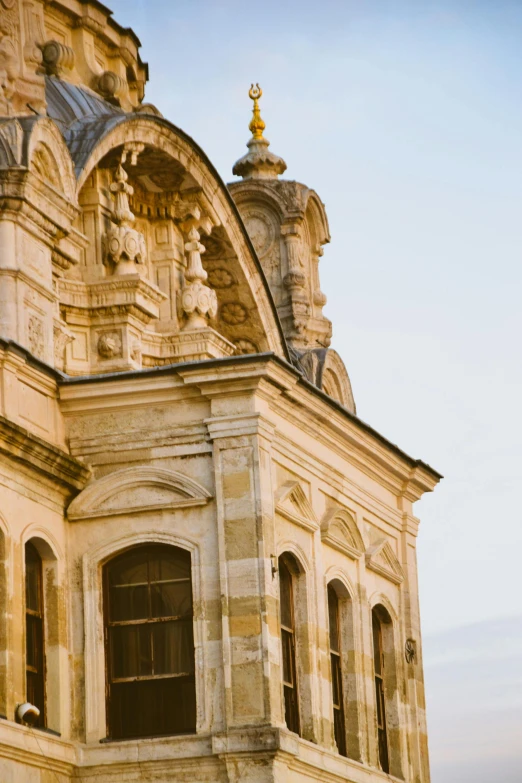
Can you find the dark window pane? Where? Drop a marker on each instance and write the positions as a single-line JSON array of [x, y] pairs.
[[173, 645], [145, 585], [131, 568], [288, 657], [129, 603], [34, 639], [33, 576], [377, 660], [153, 707], [165, 567], [171, 599], [333, 619], [131, 651], [291, 709], [285, 591]]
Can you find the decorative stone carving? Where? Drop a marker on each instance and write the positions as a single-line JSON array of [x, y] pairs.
[[220, 278], [57, 58], [110, 345], [22, 89], [112, 86], [35, 336], [125, 246], [234, 313], [198, 301], [62, 337], [135, 352], [9, 69], [261, 232], [11, 138], [246, 347]]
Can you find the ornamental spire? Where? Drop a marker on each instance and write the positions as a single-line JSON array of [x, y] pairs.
[[258, 163], [257, 124]]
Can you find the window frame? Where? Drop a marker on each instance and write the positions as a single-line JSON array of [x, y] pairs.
[[336, 671], [288, 634], [380, 693], [37, 617], [145, 547]]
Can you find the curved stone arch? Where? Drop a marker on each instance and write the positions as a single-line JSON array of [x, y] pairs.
[[157, 133], [92, 563], [262, 195], [298, 553], [52, 551], [167, 489], [317, 219], [335, 573], [335, 381], [45, 137], [379, 598]]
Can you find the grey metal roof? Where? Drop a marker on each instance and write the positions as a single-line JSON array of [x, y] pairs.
[[81, 115]]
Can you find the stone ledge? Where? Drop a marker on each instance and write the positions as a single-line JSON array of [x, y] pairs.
[[35, 453]]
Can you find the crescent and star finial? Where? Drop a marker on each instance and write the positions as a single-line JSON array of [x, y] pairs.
[[257, 125]]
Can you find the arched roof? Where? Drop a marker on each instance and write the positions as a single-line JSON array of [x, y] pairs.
[[92, 128]]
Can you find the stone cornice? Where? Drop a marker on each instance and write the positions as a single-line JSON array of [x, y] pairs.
[[340, 429], [37, 454]]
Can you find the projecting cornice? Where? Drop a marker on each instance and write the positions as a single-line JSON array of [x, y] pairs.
[[37, 454], [284, 388]]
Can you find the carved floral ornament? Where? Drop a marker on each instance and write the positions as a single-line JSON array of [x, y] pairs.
[[234, 313]]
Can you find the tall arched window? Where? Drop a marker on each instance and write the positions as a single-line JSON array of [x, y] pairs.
[[287, 608], [334, 623], [34, 631], [150, 643], [379, 673]]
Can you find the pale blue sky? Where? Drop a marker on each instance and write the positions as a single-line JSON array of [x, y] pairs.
[[406, 117]]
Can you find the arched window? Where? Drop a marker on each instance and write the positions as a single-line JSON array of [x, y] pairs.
[[379, 673], [149, 643], [34, 631], [334, 624], [287, 609]]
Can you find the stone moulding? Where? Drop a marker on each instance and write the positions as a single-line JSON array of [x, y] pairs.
[[382, 559], [19, 444], [292, 503], [339, 530], [137, 490]]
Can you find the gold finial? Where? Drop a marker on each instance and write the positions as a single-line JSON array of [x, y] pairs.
[[257, 125]]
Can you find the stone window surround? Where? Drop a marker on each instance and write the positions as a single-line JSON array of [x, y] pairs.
[[350, 654], [306, 664], [54, 653], [393, 677], [93, 562]]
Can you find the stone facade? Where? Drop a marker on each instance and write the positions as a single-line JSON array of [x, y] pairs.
[[166, 384]]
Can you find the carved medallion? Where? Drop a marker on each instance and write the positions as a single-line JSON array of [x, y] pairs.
[[260, 231], [244, 347], [109, 345], [220, 278], [234, 313]]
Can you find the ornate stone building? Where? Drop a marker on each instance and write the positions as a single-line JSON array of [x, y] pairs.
[[207, 560]]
